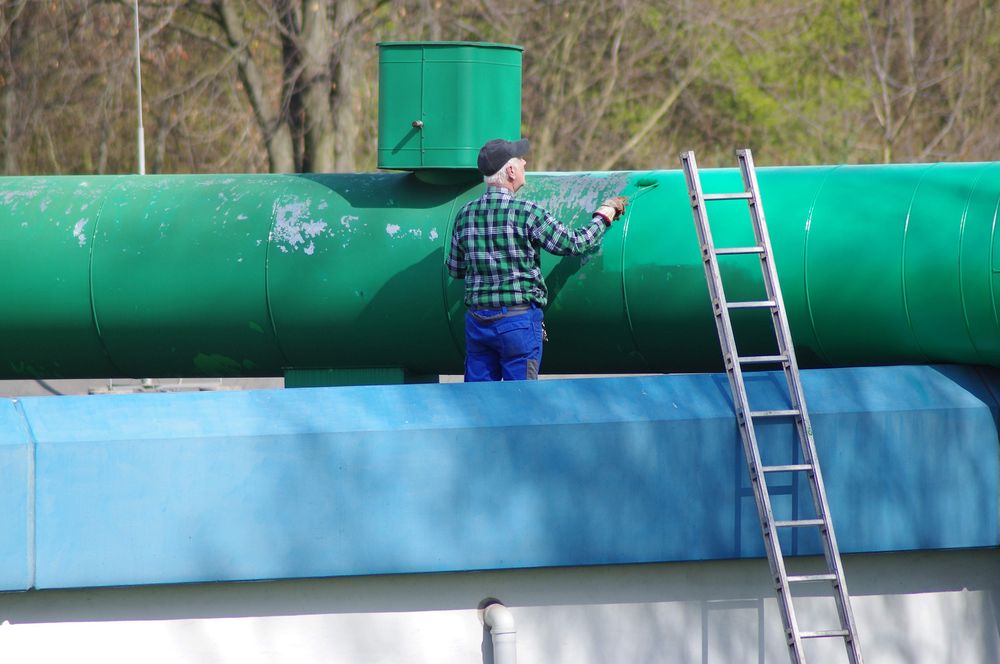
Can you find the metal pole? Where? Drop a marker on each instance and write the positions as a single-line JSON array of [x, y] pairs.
[[141, 140]]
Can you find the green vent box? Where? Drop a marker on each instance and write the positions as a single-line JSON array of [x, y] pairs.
[[440, 101]]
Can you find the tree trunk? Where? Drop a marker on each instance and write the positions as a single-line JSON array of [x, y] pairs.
[[316, 48], [277, 134], [10, 149], [346, 99], [11, 32], [289, 20], [432, 20]]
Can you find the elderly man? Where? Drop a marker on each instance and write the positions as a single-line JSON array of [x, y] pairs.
[[496, 247]]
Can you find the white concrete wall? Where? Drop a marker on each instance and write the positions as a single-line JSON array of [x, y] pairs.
[[922, 608]]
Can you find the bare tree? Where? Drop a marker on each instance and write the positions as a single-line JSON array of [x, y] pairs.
[[291, 85], [14, 24], [926, 62], [306, 107]]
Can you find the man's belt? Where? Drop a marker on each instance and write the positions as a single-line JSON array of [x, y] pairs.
[[502, 312]]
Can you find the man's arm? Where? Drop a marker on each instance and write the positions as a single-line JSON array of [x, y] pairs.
[[561, 240]]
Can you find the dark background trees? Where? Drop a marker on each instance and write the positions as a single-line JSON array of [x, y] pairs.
[[291, 85]]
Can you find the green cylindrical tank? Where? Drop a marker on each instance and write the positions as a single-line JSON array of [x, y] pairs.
[[254, 274], [440, 101]]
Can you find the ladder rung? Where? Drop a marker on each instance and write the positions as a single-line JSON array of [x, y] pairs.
[[824, 634], [746, 195], [791, 468], [775, 413], [801, 523], [739, 250], [806, 578], [757, 304], [763, 359]]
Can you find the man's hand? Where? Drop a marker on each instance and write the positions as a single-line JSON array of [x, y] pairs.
[[618, 203], [612, 208]]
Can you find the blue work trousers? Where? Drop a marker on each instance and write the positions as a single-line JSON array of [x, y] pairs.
[[502, 344]]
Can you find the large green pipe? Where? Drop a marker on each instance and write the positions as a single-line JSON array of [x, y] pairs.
[[252, 274]]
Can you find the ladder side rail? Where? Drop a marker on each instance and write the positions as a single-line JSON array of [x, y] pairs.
[[797, 395], [784, 339], [779, 317], [784, 336], [782, 328], [713, 275], [741, 406]]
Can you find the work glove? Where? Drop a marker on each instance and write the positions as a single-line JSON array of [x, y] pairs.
[[612, 208]]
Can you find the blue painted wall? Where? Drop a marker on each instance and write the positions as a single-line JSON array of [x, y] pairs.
[[16, 480], [169, 488]]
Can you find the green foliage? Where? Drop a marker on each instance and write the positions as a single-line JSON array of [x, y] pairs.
[[780, 85]]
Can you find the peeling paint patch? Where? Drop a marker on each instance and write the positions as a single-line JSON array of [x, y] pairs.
[[433, 234], [313, 228], [287, 220], [347, 220], [13, 196], [573, 196], [293, 226], [310, 250], [78, 231], [391, 229], [242, 217]]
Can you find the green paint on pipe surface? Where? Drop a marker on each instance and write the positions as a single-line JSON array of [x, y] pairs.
[[195, 275]]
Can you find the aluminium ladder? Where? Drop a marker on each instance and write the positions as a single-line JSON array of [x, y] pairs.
[[746, 416]]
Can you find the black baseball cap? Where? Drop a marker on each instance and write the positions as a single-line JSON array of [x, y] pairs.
[[498, 152]]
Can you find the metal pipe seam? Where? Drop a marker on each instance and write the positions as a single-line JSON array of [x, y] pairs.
[[644, 185], [902, 276], [267, 292], [455, 327], [90, 287], [807, 304]]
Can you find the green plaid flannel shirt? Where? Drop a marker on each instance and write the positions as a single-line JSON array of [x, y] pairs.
[[495, 244]]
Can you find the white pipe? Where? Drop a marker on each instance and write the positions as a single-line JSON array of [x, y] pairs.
[[501, 623]]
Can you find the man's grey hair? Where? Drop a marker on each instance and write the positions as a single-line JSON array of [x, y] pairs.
[[498, 178]]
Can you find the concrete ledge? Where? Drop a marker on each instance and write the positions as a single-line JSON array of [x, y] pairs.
[[168, 488]]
